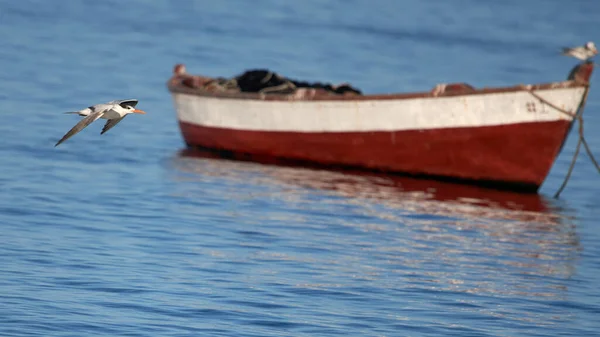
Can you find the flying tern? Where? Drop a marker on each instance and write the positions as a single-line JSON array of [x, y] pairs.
[[113, 112]]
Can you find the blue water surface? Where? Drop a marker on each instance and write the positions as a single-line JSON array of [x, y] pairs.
[[126, 234]]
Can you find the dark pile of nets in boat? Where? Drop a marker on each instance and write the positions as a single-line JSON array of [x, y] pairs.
[[266, 81], [262, 80]]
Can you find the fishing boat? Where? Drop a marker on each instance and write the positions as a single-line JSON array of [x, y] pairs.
[[502, 137]]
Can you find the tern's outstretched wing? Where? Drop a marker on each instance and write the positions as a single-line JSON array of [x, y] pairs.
[[125, 102], [81, 125], [110, 123]]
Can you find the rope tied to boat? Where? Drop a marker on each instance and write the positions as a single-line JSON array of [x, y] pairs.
[[578, 115]]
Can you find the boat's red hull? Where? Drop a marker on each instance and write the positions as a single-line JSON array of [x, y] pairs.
[[518, 155]]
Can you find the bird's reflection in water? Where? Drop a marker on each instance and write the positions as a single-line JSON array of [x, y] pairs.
[[453, 237]]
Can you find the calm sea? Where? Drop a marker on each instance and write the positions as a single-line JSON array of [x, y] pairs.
[[125, 234]]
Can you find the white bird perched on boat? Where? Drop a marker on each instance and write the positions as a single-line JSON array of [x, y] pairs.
[[583, 53], [113, 111]]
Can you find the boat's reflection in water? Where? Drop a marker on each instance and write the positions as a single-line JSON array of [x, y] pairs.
[[460, 237]]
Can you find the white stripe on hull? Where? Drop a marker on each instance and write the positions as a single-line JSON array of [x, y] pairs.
[[377, 115]]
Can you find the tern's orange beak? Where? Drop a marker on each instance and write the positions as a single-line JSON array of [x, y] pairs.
[[139, 111]]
